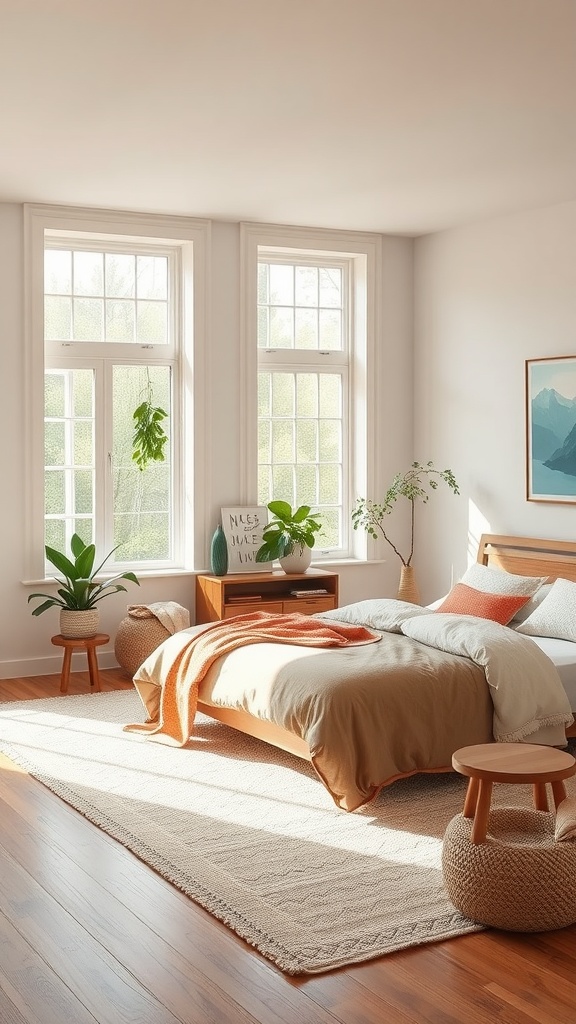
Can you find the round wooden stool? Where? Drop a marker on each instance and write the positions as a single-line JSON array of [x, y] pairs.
[[86, 643], [526, 763]]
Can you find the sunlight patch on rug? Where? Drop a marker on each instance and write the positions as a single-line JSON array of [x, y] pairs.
[[250, 833]]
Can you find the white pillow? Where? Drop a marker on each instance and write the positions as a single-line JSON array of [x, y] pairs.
[[556, 616], [531, 605], [496, 581], [378, 613]]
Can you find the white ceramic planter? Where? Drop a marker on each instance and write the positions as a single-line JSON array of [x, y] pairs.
[[298, 561]]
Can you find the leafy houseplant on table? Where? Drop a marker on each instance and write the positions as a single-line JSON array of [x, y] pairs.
[[289, 536], [79, 593], [414, 485]]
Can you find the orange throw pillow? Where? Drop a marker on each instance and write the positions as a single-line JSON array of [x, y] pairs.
[[464, 600]]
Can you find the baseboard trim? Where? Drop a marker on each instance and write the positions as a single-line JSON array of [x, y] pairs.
[[48, 666]]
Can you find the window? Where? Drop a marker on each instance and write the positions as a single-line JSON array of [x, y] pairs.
[[303, 388], [97, 302], [111, 325], [310, 327]]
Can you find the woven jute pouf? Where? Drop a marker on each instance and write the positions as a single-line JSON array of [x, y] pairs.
[[136, 639], [520, 879]]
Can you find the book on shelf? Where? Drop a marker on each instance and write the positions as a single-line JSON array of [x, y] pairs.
[[317, 592], [244, 599]]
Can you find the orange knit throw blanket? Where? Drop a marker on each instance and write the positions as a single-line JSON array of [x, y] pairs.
[[170, 718]]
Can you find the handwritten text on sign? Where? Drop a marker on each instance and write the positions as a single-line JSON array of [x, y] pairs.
[[243, 529]]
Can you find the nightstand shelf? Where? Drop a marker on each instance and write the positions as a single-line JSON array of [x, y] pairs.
[[220, 597]]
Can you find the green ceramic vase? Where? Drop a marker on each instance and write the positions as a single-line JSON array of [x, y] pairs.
[[219, 553]]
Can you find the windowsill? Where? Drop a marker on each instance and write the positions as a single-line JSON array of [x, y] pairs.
[[142, 574], [348, 561], [155, 574]]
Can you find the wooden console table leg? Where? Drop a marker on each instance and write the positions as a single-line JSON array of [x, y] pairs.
[[93, 667], [65, 676], [540, 796], [480, 824]]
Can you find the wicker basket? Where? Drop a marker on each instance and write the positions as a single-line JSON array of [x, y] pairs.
[[520, 879], [136, 639], [77, 625]]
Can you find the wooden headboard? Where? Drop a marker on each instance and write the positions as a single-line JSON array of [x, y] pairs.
[[527, 556]]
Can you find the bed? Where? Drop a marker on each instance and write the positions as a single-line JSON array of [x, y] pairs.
[[367, 716]]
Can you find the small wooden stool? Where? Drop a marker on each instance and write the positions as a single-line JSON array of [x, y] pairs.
[[86, 643], [527, 763]]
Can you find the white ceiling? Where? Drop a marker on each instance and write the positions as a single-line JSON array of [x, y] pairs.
[[402, 116]]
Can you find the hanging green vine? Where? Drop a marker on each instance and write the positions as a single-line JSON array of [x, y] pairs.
[[149, 438]]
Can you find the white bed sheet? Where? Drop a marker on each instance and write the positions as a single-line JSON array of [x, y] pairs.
[[563, 654]]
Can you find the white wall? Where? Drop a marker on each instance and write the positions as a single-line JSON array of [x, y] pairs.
[[25, 647], [487, 297]]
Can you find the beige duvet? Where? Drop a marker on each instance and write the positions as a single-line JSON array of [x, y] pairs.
[[367, 714]]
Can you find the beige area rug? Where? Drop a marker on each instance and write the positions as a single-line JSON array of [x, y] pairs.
[[249, 832]]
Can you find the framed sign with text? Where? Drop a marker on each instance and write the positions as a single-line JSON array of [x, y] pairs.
[[243, 529]]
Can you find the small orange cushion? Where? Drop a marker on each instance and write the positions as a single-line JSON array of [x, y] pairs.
[[464, 600]]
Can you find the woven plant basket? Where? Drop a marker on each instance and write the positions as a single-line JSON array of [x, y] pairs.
[[520, 879], [77, 625], [136, 639]]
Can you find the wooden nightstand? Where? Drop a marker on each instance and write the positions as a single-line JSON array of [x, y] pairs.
[[220, 597]]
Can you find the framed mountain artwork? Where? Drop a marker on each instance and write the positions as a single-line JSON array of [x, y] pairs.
[[551, 429]]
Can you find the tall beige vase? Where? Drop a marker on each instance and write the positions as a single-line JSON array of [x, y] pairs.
[[408, 588]]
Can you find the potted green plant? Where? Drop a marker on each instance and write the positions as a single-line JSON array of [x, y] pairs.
[[79, 593], [289, 536], [416, 484]]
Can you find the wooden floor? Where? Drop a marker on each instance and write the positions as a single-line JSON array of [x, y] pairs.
[[90, 934]]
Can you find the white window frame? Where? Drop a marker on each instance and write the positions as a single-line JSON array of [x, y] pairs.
[[100, 357], [190, 240], [363, 255]]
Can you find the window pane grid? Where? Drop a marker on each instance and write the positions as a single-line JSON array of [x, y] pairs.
[[69, 474], [300, 307], [300, 449], [142, 500], [106, 297]]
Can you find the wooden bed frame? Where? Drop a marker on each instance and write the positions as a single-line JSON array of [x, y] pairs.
[[524, 556]]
